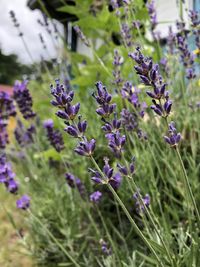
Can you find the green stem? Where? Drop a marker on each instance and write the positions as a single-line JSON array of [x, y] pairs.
[[153, 223], [136, 228], [188, 186], [55, 240]]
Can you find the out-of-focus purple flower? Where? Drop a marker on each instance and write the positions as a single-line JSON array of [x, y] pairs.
[[3, 135], [7, 107], [96, 197], [15, 22], [152, 14], [81, 35], [23, 203], [24, 136], [85, 147], [104, 248], [6, 172], [129, 120], [12, 186], [24, 100], [126, 35], [118, 61], [173, 137], [194, 17], [139, 205], [54, 136], [75, 182], [171, 41]]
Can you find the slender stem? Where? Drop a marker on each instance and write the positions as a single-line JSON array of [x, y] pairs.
[[137, 230], [188, 186], [153, 223], [55, 240], [134, 224]]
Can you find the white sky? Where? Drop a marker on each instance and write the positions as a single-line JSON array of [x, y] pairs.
[[10, 42]]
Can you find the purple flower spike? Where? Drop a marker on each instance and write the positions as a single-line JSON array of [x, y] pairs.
[[173, 138], [24, 99], [23, 203], [75, 182], [116, 143], [140, 206], [85, 148], [95, 197], [54, 136], [12, 186]]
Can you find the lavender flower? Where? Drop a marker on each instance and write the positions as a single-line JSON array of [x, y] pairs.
[[95, 197], [81, 35], [103, 98], [12, 186], [171, 41], [126, 35], [54, 136], [3, 135], [129, 170], [63, 98], [104, 247], [23, 203], [129, 120], [24, 100], [149, 74], [85, 147], [116, 143], [24, 136], [7, 107], [75, 182], [109, 177], [15, 22], [77, 131], [152, 14], [173, 137], [118, 61], [138, 204]]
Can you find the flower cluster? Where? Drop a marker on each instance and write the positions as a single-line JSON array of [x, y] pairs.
[[7, 109], [23, 203], [107, 175], [75, 182], [95, 197], [173, 137], [15, 22], [152, 14], [103, 99], [127, 170], [7, 175], [139, 205], [186, 56], [126, 35], [24, 100], [195, 23], [149, 74], [68, 112], [24, 136], [54, 136], [104, 248], [118, 61]]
